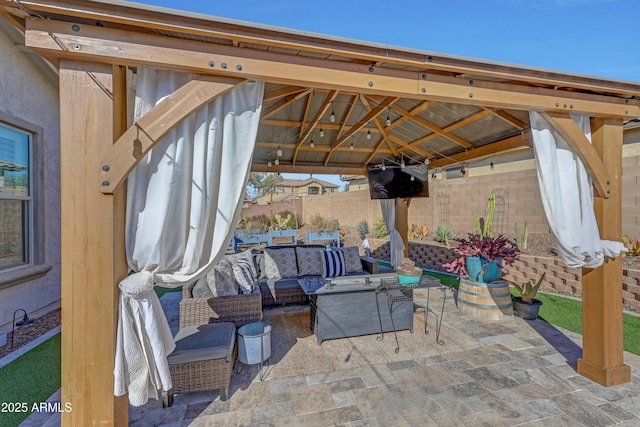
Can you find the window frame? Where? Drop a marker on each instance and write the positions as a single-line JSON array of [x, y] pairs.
[[28, 234]]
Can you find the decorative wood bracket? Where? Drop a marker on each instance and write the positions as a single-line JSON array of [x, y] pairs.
[[580, 145], [131, 147]]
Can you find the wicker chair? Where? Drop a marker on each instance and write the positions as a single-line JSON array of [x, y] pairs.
[[239, 309], [203, 360]]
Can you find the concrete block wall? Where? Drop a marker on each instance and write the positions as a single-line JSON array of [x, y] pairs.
[[559, 279]]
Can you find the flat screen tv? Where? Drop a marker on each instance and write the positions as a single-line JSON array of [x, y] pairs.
[[396, 183]]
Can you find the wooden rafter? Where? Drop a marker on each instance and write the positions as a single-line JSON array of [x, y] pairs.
[[510, 143], [279, 93], [303, 123], [139, 49], [268, 112], [316, 169], [421, 107], [322, 148], [508, 118], [385, 136], [431, 126], [581, 147], [314, 122], [465, 121], [343, 125], [156, 123]]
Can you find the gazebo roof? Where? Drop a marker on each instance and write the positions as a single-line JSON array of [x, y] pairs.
[[355, 122]]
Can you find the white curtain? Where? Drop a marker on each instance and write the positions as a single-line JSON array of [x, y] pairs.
[[567, 196], [396, 245], [183, 202]]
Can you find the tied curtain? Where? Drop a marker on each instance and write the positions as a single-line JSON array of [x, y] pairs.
[[567, 196], [183, 202], [396, 245]]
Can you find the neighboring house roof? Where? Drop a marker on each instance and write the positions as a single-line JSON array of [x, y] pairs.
[[304, 182], [352, 177]]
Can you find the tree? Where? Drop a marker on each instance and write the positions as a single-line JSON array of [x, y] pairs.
[[261, 183]]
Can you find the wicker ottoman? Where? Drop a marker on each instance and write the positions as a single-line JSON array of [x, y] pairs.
[[203, 360]]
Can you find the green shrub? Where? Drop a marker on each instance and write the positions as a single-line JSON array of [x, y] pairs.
[[260, 222], [379, 228], [321, 224]]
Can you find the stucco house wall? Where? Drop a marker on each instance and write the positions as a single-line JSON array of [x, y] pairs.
[[29, 101]]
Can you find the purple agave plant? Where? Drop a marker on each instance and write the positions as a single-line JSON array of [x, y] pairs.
[[489, 248]]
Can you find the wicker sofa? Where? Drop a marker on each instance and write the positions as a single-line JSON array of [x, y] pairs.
[[288, 291], [239, 309]]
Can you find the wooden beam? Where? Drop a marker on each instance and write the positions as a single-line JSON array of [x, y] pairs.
[[580, 145], [421, 107], [419, 151], [91, 223], [279, 93], [270, 111], [155, 124], [361, 52], [138, 49], [602, 347], [305, 169], [16, 22], [508, 118], [362, 122], [402, 222], [517, 141], [316, 118]]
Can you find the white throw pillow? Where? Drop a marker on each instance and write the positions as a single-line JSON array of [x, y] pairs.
[[244, 276]]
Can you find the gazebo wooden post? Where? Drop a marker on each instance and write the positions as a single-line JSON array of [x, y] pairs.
[[602, 346], [92, 246], [402, 222]]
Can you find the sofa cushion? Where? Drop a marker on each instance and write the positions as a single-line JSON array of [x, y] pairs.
[[244, 276], [333, 264], [280, 263], [309, 261], [201, 289], [352, 260], [203, 342], [221, 280]]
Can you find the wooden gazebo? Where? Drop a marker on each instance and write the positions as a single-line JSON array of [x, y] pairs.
[[372, 102]]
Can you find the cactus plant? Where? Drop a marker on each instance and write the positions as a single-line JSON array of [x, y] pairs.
[[363, 228], [484, 226], [522, 237], [281, 223], [443, 234], [634, 248]]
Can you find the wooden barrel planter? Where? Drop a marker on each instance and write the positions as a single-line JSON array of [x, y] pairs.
[[490, 301]]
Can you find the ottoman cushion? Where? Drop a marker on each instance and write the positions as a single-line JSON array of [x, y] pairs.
[[203, 342]]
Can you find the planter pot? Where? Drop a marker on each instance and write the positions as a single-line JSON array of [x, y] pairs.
[[409, 277], [491, 301], [490, 273], [527, 311]]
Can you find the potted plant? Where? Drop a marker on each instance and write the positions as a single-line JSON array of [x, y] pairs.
[[527, 306], [408, 273], [482, 258]]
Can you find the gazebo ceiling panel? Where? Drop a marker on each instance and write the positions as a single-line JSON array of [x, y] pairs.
[[488, 128], [443, 114]]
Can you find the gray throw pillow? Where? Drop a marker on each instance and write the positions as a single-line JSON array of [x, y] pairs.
[[352, 261], [201, 289], [309, 261], [280, 263], [221, 280], [248, 255]]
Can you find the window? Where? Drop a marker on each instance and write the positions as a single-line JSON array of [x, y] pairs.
[[16, 218], [313, 190]]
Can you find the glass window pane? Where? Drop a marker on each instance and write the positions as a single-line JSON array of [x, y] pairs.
[[13, 233], [14, 162]]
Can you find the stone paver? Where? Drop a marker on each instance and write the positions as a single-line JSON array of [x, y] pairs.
[[522, 374]]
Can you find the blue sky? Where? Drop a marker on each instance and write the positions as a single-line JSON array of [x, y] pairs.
[[598, 37]]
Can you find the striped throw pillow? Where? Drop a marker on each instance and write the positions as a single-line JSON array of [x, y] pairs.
[[244, 275], [333, 264]]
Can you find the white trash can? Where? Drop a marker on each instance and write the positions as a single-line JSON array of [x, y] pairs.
[[254, 343]]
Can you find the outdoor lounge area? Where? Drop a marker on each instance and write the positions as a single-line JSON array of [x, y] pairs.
[[163, 116]]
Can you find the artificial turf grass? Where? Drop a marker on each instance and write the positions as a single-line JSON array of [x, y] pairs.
[[31, 378]]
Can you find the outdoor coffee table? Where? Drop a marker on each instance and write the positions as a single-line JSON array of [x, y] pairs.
[[347, 307]]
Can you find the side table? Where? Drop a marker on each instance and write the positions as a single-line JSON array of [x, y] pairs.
[[254, 344]]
